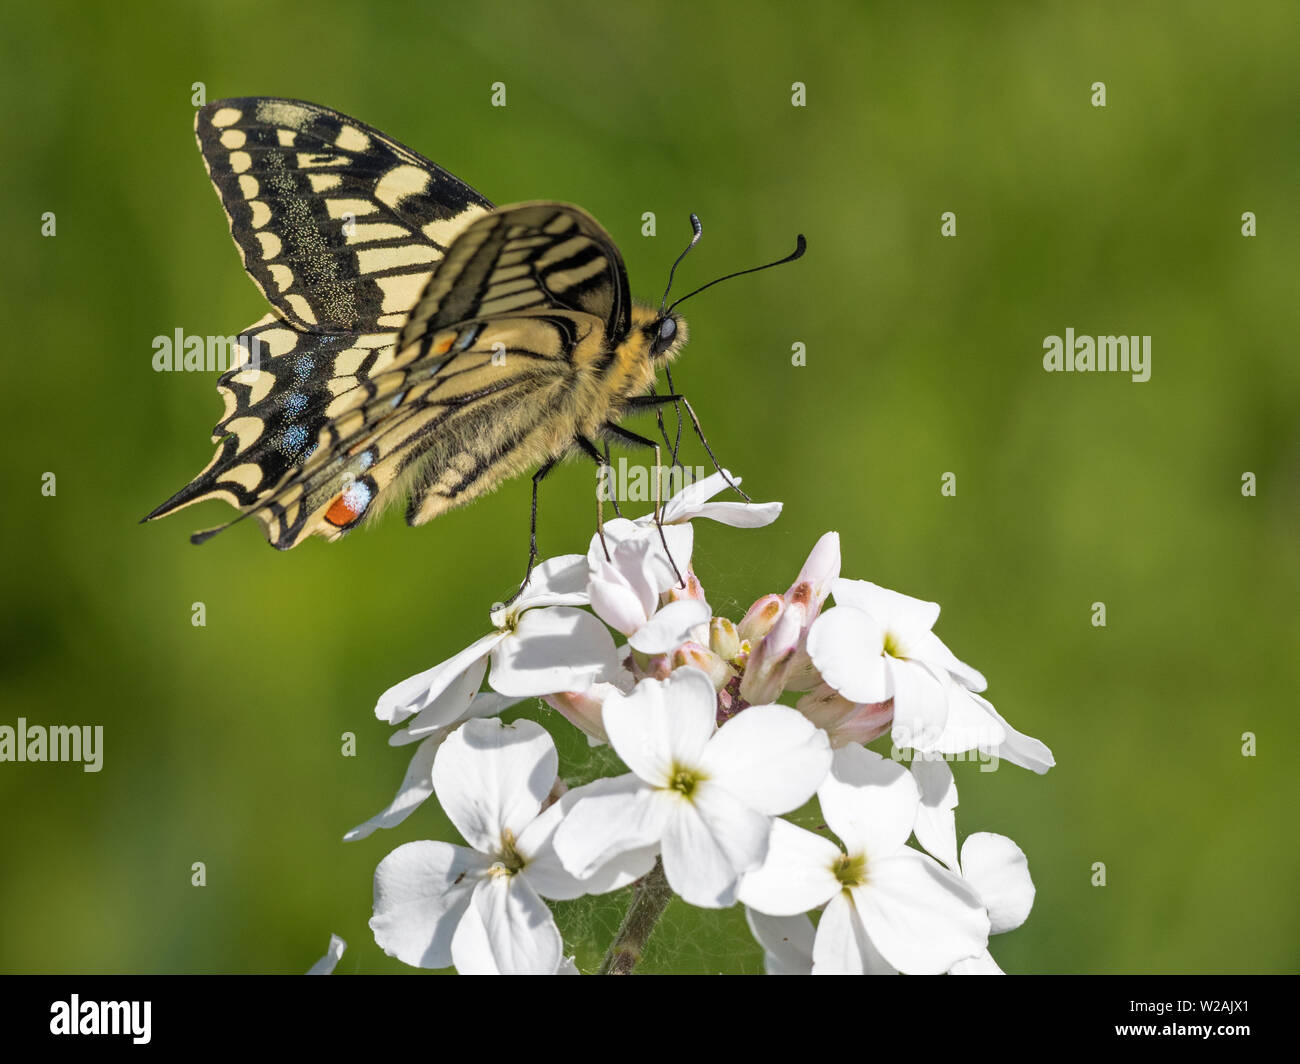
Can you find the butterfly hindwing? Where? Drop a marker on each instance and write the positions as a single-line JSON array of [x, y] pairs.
[[330, 429], [339, 225], [530, 256]]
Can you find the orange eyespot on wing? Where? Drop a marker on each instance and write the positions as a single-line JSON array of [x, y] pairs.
[[351, 504]]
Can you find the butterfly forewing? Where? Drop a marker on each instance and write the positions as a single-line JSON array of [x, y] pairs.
[[339, 225]]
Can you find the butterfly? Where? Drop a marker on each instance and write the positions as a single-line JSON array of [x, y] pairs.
[[421, 344]]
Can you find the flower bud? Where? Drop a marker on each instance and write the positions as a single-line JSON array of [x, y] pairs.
[[844, 721], [760, 618], [815, 578], [702, 658], [769, 661], [724, 640], [582, 709], [693, 589]]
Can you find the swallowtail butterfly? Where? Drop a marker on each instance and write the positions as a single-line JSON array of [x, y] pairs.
[[421, 344]]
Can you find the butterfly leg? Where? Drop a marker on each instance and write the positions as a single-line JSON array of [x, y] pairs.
[[641, 441], [613, 495], [646, 401], [538, 477], [602, 464]]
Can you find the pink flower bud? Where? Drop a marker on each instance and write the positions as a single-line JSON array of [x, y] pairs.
[[844, 721], [693, 589], [702, 658], [760, 618], [724, 640], [769, 661], [582, 709], [815, 578]]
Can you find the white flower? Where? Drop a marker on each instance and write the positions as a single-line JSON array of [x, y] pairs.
[[705, 795], [888, 907], [693, 501], [876, 644], [541, 644], [624, 588], [480, 907], [327, 964]]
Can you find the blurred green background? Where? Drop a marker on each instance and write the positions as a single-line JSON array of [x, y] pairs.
[[923, 357]]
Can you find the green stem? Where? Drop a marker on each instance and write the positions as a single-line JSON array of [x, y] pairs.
[[649, 899]]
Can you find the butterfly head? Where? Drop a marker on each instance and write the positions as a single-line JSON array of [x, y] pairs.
[[666, 335]]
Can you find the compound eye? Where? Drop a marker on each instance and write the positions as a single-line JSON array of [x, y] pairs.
[[667, 330]]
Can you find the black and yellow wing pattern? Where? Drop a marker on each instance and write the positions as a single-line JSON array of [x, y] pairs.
[[505, 317]]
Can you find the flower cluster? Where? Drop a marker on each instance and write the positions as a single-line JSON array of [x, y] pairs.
[[622, 643]]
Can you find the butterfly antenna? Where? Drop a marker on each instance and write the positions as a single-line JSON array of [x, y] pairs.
[[698, 231], [800, 247]]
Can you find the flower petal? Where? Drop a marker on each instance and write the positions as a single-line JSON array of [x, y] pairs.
[[558, 581], [869, 802], [616, 602], [980, 964], [842, 946], [922, 918], [847, 646], [416, 786], [936, 824], [709, 843], [739, 514], [1018, 748], [327, 964], [507, 930], [999, 871], [905, 618], [483, 704], [932, 650], [621, 815], [421, 891], [920, 704], [772, 758], [492, 777], [662, 724], [670, 627], [797, 875], [787, 942], [637, 552], [547, 873], [558, 648], [692, 501], [416, 692], [969, 726]]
